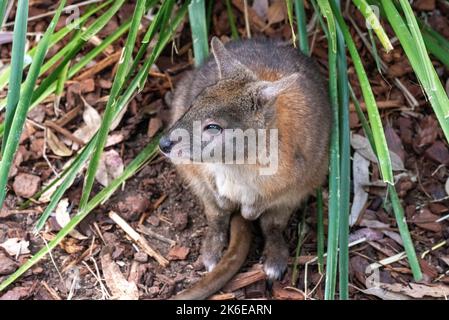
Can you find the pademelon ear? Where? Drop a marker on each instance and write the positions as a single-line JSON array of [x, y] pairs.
[[227, 65], [270, 90]]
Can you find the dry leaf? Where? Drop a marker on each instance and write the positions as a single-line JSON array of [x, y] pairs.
[[110, 167], [62, 216], [71, 246], [446, 186], [393, 235], [153, 126], [384, 294], [276, 12], [26, 185], [57, 146], [374, 224], [16, 246], [416, 290], [367, 233], [120, 288], [362, 145], [62, 213], [118, 119], [92, 120], [114, 138], [46, 196], [260, 7], [360, 170]]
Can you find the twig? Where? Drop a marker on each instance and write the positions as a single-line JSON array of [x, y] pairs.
[[7, 12], [64, 132], [52, 260], [136, 237], [69, 116], [51, 291], [103, 64], [247, 26], [408, 96], [156, 205], [244, 279], [44, 147], [155, 235], [387, 104]]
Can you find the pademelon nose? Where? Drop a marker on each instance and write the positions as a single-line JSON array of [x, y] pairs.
[[165, 144]]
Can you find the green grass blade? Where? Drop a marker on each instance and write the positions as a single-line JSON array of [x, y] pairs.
[[334, 167], [419, 44], [426, 29], [289, 4], [397, 208], [3, 5], [362, 118], [55, 38], [374, 51], [209, 11], [197, 19], [122, 71], [23, 105], [301, 237], [374, 23], [37, 98], [378, 134], [320, 18], [345, 166], [373, 112], [420, 62], [405, 234], [68, 178], [234, 30], [71, 172], [142, 158], [159, 22], [303, 40], [435, 48], [77, 45], [17, 56], [320, 230]]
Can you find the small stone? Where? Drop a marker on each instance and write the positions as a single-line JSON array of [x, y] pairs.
[[438, 152], [178, 253], [26, 185], [37, 113], [87, 85], [38, 270], [425, 219], [37, 147], [425, 5], [153, 220], [105, 84], [7, 265], [133, 206], [180, 220], [141, 257]]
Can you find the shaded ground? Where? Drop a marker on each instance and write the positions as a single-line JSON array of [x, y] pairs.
[[156, 199]]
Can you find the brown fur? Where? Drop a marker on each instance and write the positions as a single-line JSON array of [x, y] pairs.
[[256, 84]]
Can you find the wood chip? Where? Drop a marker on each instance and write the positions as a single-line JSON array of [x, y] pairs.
[[120, 288], [244, 279]]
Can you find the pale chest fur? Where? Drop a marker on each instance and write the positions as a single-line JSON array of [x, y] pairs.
[[236, 183]]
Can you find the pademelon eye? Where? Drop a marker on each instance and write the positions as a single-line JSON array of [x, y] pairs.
[[213, 129]]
